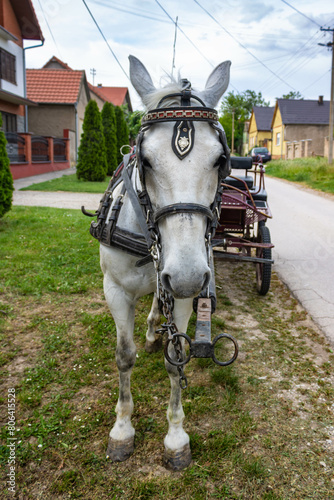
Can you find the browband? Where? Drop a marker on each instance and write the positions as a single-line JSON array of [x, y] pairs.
[[194, 113]]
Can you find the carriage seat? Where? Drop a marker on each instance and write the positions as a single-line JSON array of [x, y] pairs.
[[237, 183], [261, 196], [241, 163]]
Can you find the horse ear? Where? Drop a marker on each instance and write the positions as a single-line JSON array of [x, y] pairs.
[[140, 77], [216, 84]]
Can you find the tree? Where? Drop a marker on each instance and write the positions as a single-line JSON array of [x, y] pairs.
[[133, 121], [241, 104], [122, 132], [293, 95], [110, 136], [6, 179], [92, 163]]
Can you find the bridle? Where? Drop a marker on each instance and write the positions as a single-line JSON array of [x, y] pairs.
[[184, 117]]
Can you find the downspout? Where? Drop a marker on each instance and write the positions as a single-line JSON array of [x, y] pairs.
[[76, 130], [25, 82]]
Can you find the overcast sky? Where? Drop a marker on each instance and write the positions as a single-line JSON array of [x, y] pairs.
[[273, 48]]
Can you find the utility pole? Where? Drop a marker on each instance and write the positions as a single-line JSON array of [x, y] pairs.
[[232, 147], [93, 73], [331, 105]]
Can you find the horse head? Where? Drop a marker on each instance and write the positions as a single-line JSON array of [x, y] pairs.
[[181, 157]]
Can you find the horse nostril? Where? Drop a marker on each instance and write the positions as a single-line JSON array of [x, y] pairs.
[[165, 280]]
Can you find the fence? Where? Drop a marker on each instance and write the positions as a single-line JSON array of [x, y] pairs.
[[34, 154]]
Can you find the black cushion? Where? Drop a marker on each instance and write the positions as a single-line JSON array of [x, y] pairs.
[[238, 182], [240, 162]]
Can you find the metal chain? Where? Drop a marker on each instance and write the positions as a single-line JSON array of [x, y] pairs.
[[167, 303]]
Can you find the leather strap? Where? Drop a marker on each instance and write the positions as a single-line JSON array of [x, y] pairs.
[[185, 208], [136, 206]]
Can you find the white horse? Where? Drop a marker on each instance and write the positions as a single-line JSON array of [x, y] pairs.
[[182, 261]]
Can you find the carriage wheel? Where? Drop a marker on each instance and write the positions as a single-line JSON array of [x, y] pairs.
[[263, 270]]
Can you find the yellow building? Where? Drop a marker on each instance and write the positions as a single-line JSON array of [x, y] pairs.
[[299, 128], [260, 127]]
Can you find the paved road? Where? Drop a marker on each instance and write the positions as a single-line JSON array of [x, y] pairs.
[[302, 231]]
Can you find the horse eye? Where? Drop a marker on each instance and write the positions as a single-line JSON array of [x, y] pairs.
[[146, 163], [218, 162]]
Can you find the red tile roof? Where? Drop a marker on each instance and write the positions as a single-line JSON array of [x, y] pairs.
[[55, 60], [116, 95], [53, 86]]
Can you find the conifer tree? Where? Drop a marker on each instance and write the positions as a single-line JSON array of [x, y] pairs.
[[92, 163], [110, 136], [122, 132], [6, 179]]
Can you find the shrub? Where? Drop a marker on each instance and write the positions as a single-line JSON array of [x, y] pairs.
[[6, 179], [122, 132], [92, 163], [110, 136]]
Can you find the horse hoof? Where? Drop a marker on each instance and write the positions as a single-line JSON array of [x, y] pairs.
[[177, 460], [119, 451], [155, 346]]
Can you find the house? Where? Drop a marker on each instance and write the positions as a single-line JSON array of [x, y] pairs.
[[259, 132], [118, 96], [62, 95], [299, 128], [18, 22], [28, 154]]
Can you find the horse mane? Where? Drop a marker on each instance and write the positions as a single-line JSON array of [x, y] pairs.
[[152, 99]]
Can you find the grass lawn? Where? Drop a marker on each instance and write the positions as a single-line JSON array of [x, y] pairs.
[[69, 183], [313, 172], [261, 429]]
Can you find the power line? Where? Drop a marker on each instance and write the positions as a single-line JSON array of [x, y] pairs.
[[241, 45], [183, 33], [301, 13], [129, 11], [53, 38], [189, 40], [104, 38]]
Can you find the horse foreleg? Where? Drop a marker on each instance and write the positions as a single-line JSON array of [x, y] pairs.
[[177, 447], [153, 340], [121, 437]]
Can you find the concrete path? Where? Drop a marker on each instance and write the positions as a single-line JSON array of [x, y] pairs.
[[57, 199], [302, 230]]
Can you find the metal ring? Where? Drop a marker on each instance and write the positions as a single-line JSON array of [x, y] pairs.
[[236, 349], [169, 359]]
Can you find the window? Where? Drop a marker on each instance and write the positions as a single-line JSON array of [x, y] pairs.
[[278, 139], [7, 66], [9, 123]]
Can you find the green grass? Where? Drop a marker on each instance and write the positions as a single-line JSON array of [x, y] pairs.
[[257, 428], [69, 183], [314, 172]]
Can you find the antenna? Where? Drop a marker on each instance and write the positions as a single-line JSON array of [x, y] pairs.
[[174, 46], [93, 73]]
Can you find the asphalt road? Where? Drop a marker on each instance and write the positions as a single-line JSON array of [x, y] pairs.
[[302, 230]]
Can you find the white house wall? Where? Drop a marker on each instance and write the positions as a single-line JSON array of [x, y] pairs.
[[17, 51]]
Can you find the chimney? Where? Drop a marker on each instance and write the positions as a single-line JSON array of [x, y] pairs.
[[321, 99], [99, 84]]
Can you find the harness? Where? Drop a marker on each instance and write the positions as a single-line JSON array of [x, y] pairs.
[[147, 246]]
